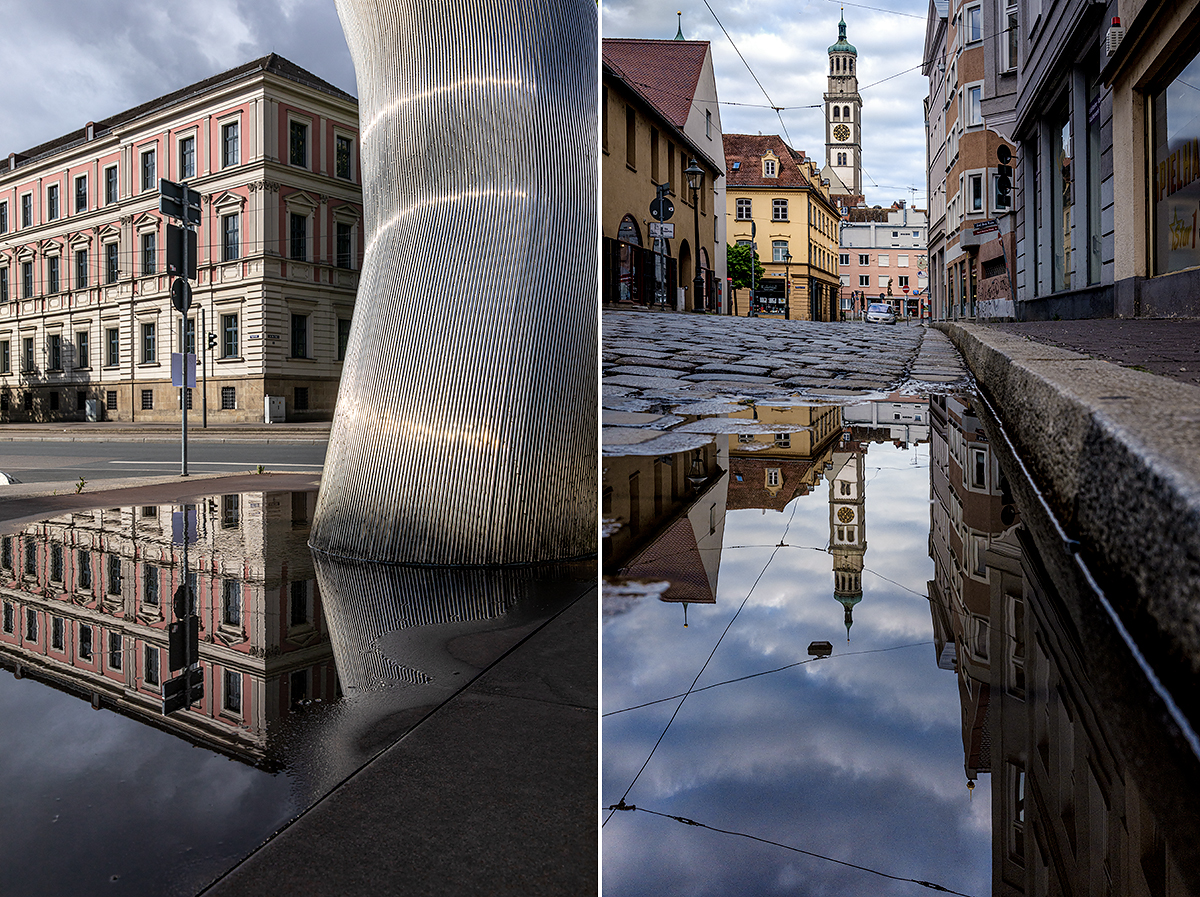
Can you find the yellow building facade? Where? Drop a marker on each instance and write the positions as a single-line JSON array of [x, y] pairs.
[[775, 198]]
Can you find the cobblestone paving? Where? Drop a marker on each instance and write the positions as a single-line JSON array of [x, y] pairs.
[[657, 366]]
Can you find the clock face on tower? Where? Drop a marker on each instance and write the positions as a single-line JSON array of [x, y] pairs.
[[841, 132]]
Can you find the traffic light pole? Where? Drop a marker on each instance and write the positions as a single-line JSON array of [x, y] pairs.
[[203, 372]]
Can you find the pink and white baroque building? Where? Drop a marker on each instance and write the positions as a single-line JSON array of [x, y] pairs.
[[86, 322]]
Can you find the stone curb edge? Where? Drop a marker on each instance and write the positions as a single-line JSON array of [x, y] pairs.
[[1116, 453]]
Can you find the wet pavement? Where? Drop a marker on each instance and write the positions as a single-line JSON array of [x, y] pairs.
[[756, 476], [687, 357], [358, 730]]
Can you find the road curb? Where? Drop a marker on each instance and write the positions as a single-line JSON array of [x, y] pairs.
[[1114, 452]]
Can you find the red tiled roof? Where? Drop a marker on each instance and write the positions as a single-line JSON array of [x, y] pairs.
[[748, 478], [665, 72], [747, 150], [675, 557]]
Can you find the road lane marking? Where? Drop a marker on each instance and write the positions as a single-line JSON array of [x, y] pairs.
[[241, 465]]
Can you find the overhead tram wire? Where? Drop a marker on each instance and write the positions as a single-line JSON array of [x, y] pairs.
[[764, 673], [711, 654], [933, 886], [770, 104], [778, 109], [894, 12]]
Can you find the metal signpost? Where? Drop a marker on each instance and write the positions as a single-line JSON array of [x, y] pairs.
[[181, 202], [662, 209], [183, 651]]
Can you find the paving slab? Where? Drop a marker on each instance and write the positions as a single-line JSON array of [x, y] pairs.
[[495, 793]]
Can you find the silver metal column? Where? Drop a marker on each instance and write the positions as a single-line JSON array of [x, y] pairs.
[[466, 430]]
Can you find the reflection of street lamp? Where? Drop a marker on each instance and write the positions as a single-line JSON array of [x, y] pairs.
[[695, 179], [787, 285]]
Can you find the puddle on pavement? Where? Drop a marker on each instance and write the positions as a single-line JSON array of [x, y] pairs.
[[309, 667], [829, 638]]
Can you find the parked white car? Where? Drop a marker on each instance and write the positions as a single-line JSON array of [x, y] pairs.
[[7, 479], [880, 313]]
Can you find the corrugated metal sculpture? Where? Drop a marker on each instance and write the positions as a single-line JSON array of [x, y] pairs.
[[465, 430]]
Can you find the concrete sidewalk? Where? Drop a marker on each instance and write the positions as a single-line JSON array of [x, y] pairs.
[[1169, 347], [1115, 452], [493, 792]]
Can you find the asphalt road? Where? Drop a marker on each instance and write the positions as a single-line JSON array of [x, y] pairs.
[[46, 462]]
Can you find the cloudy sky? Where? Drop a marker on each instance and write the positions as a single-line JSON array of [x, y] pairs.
[[67, 63], [786, 46]]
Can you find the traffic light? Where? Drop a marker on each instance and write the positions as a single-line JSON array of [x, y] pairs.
[[1004, 175], [212, 341]]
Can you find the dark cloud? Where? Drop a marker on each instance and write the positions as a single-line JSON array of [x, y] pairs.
[[68, 63]]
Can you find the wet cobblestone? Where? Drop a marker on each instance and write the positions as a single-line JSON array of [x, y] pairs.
[[654, 363]]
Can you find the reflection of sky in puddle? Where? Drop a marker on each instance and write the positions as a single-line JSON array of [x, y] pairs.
[[91, 795], [858, 757]]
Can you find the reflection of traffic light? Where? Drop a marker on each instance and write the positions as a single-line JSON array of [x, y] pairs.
[[1003, 177]]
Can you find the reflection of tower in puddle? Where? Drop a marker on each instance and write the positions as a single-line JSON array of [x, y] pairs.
[[670, 515], [848, 526]]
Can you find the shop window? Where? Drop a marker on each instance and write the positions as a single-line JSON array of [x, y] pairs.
[[1176, 178]]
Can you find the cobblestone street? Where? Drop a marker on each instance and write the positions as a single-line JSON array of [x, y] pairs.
[[659, 366]]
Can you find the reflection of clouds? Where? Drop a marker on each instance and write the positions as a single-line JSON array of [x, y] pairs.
[[857, 757], [192, 808]]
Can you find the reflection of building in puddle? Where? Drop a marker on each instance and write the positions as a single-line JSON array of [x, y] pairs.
[[768, 470], [85, 600], [966, 529], [904, 418], [848, 525], [1085, 797], [669, 517]]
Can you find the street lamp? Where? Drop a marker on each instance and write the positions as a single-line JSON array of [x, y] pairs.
[[787, 285], [695, 179]]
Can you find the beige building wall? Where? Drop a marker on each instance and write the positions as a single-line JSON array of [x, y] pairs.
[[639, 151]]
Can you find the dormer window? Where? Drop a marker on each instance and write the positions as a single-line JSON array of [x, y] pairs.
[[736, 165], [769, 168]]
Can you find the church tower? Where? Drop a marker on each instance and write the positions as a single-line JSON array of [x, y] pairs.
[[848, 528], [843, 122]]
